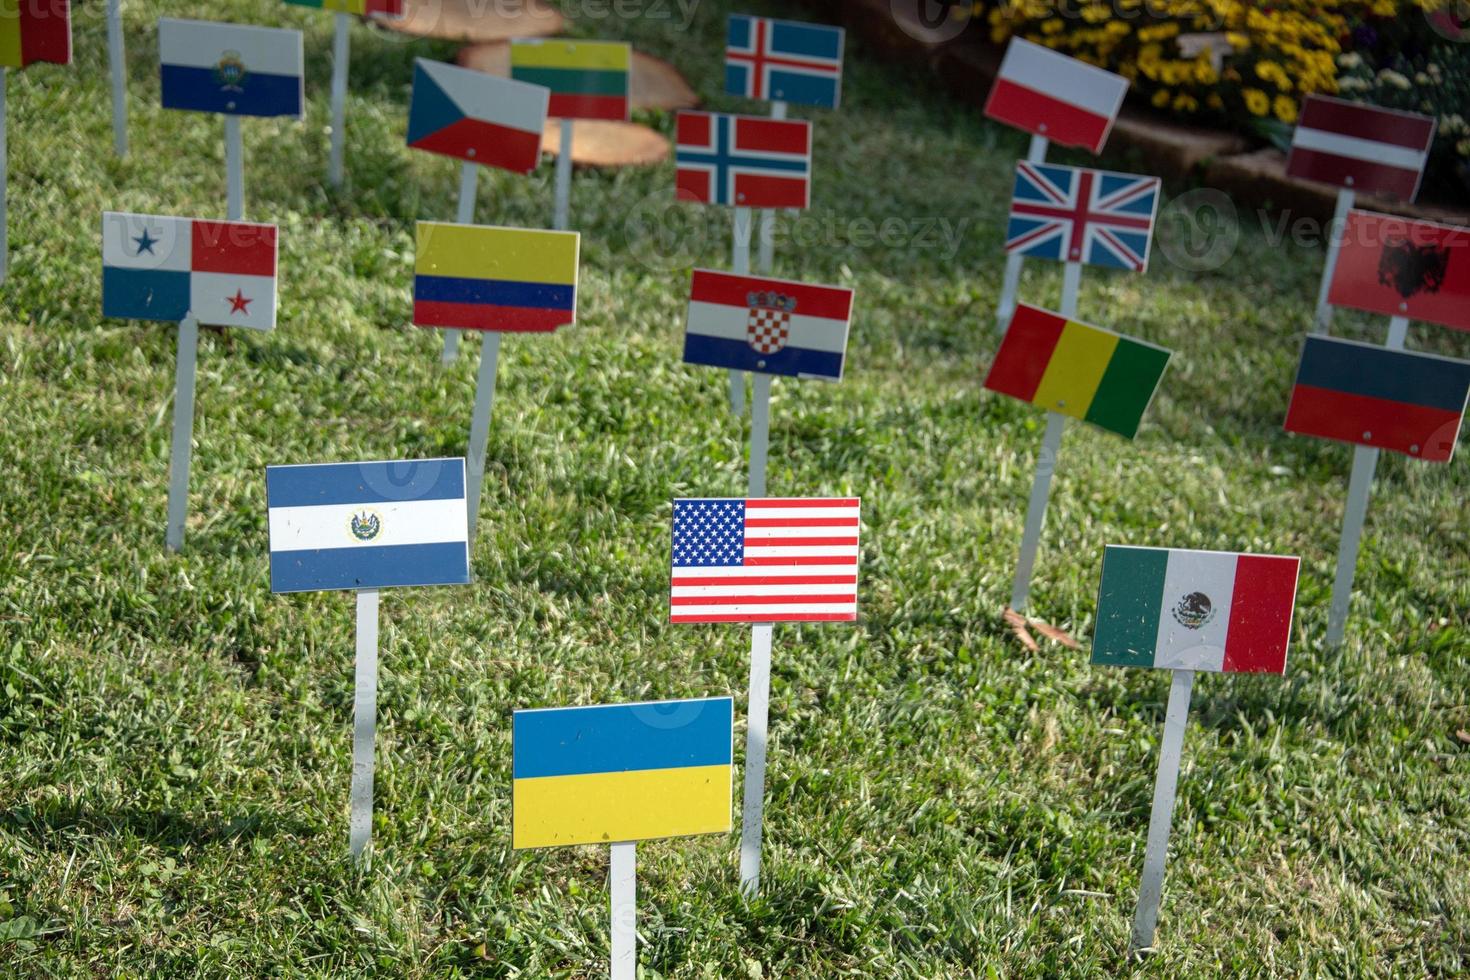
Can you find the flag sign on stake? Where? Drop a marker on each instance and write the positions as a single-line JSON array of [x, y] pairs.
[[232, 69], [30, 32], [1357, 148], [494, 280], [479, 119], [763, 561], [117, 68], [1073, 214], [617, 774], [341, 42], [365, 527], [1055, 98], [744, 161], [587, 79], [1186, 611], [1070, 369], [187, 271], [1376, 398], [1399, 267]]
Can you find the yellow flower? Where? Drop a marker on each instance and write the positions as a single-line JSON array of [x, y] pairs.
[[1214, 101], [1257, 101], [1160, 99], [1184, 102], [1284, 108]]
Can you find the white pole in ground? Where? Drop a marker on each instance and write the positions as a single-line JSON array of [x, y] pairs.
[[561, 212], [1360, 486], [480, 422], [178, 466], [1322, 319], [117, 64], [1151, 887], [1036, 153], [469, 174], [760, 433], [757, 715], [341, 42], [364, 721], [4, 182], [740, 265], [623, 896], [234, 170], [1046, 464], [766, 246]]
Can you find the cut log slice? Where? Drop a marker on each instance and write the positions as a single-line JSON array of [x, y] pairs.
[[656, 84], [476, 21], [601, 143]]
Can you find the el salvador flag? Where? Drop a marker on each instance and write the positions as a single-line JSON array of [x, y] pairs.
[[368, 525]]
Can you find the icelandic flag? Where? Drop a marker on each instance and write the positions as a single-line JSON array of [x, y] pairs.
[[743, 161], [235, 69], [1050, 94], [1073, 214], [784, 60], [367, 525], [772, 326], [495, 122], [158, 268]]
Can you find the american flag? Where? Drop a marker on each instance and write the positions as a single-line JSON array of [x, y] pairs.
[[1073, 214], [766, 560]]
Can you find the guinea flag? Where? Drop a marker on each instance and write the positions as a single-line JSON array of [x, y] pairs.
[[1194, 610], [1079, 370], [33, 30]]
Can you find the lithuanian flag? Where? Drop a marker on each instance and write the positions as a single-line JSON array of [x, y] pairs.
[[588, 79], [1078, 370], [34, 30]]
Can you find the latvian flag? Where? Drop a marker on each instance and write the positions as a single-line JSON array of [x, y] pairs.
[[1045, 92], [784, 60], [1194, 610], [770, 326], [1362, 147], [765, 560], [743, 161]]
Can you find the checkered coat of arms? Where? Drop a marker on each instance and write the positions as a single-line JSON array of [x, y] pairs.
[[768, 323]]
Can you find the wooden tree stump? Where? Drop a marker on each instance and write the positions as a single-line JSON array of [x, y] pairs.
[[655, 84], [476, 21]]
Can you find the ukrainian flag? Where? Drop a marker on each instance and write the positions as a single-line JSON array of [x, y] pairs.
[[615, 773], [475, 277]]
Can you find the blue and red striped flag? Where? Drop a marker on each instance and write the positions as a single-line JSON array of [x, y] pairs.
[[1074, 214], [784, 60], [743, 161]]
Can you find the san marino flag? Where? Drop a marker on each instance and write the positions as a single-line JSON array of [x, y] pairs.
[[236, 69], [1194, 610], [367, 525]]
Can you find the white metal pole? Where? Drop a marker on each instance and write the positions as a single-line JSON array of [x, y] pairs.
[[178, 467], [1322, 320], [623, 895], [234, 170], [1151, 887], [364, 721], [561, 214], [740, 265], [341, 56], [1398, 332], [766, 246], [469, 174], [117, 63], [1035, 153], [1046, 464], [757, 716], [1071, 287], [760, 433], [480, 422], [4, 182]]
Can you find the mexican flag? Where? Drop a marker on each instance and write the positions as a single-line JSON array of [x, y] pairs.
[[1194, 610]]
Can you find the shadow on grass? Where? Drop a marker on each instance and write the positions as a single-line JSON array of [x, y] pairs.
[[57, 829]]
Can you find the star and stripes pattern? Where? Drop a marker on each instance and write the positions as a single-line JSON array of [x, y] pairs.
[[1074, 214], [764, 560]]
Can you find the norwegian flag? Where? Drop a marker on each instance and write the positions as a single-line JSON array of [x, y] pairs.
[[764, 560], [743, 161], [1073, 214]]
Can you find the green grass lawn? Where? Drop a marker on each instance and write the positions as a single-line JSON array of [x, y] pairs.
[[175, 741]]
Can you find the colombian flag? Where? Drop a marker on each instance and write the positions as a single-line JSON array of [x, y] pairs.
[[475, 277], [34, 30], [587, 79], [1078, 370], [614, 773]]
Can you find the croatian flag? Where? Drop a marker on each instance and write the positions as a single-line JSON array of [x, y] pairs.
[[772, 326], [784, 60], [1363, 147], [1074, 214], [235, 69], [765, 560], [367, 525], [743, 161], [158, 268], [1045, 92]]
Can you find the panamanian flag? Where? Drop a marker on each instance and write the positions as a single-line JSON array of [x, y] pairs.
[[784, 60]]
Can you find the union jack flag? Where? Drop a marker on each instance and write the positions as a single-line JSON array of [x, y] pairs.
[[1073, 214], [742, 161]]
